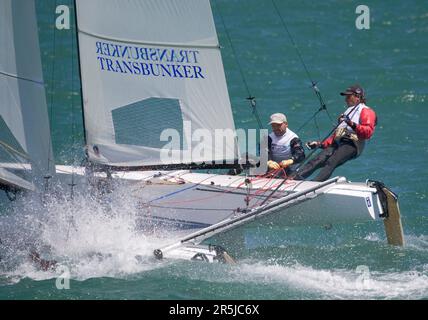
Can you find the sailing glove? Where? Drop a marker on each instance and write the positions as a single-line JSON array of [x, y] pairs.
[[272, 165], [343, 118], [313, 144], [286, 163]]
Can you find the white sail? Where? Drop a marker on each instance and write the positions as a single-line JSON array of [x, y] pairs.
[[23, 111], [150, 65]]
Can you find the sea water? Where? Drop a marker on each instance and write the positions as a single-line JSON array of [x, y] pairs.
[[104, 256]]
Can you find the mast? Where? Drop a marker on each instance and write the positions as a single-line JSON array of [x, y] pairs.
[[80, 72]]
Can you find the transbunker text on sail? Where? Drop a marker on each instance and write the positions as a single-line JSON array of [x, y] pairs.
[[158, 62]]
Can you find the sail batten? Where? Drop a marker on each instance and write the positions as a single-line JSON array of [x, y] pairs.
[[147, 43], [153, 83], [2, 73], [185, 21]]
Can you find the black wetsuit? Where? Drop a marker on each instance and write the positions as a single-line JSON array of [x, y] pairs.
[[330, 158]]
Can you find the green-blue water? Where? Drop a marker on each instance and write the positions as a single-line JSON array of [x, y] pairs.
[[389, 60]]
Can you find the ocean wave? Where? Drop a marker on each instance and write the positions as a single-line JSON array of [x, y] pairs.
[[419, 243], [360, 283], [83, 236]]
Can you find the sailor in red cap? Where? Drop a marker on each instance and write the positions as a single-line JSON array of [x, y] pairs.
[[355, 126]]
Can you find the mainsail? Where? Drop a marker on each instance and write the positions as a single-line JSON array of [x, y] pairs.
[[154, 88], [24, 122]]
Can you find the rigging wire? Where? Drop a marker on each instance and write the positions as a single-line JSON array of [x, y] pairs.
[[314, 118], [12, 151], [250, 97], [302, 163], [73, 184], [323, 106], [79, 72], [52, 86]]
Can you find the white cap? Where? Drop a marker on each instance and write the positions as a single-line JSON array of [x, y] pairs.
[[278, 118]]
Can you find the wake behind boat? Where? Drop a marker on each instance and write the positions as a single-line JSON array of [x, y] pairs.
[[154, 100]]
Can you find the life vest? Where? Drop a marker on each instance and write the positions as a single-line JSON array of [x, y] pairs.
[[345, 133], [280, 148], [353, 115]]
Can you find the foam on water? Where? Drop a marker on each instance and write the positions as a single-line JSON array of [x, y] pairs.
[[418, 243], [95, 238], [360, 283], [91, 238], [372, 237], [344, 284]]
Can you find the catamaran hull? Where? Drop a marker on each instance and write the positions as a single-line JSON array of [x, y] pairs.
[[220, 210], [186, 200]]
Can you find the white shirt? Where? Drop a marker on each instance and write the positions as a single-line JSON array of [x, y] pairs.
[[354, 115], [280, 148]]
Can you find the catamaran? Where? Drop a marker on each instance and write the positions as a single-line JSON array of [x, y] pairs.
[[154, 98]]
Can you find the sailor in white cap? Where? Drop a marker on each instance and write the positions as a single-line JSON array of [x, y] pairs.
[[285, 147]]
